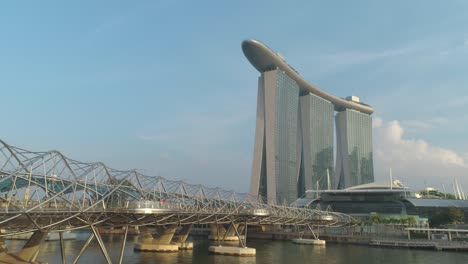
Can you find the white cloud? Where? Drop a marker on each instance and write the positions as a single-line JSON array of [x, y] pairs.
[[415, 161], [417, 124], [377, 122]]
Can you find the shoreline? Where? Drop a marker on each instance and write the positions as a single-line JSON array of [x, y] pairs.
[[438, 245]]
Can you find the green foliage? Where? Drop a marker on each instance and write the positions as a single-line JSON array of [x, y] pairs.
[[451, 215], [450, 196], [374, 219], [407, 220], [438, 194], [411, 220]]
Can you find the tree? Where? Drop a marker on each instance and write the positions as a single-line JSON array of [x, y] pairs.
[[411, 220], [437, 194], [407, 220], [375, 219], [451, 215], [456, 215]]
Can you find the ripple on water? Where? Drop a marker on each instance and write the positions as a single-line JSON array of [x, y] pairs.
[[267, 252]]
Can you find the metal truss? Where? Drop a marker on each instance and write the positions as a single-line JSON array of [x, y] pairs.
[[48, 191]]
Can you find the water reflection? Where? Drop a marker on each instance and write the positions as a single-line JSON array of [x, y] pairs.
[[267, 252]]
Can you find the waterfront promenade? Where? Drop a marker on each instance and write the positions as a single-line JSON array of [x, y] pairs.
[[386, 237]]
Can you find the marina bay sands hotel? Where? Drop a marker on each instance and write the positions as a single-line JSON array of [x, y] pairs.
[[294, 133]]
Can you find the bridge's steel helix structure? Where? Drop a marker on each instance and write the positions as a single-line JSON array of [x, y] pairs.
[[47, 191]]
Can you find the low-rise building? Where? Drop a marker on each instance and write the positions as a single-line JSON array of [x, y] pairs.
[[388, 199]]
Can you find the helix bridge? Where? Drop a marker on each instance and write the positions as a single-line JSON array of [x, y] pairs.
[[44, 192]]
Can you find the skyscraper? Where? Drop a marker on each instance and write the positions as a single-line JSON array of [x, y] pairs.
[[293, 149], [275, 151], [354, 163], [316, 117]]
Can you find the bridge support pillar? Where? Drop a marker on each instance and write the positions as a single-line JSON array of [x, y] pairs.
[[145, 236], [31, 248], [181, 238], [240, 229], [162, 243], [241, 250], [218, 232], [29, 252], [3, 247], [232, 251], [316, 241], [231, 231]]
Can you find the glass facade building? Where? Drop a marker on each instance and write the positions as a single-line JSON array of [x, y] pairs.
[[293, 149], [354, 162], [364, 201], [275, 165], [317, 118], [294, 135]]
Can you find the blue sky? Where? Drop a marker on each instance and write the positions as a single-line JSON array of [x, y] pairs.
[[163, 86]]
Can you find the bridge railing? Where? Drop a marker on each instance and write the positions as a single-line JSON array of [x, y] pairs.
[[151, 205], [50, 182]]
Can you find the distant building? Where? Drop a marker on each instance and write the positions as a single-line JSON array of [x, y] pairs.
[[385, 199], [317, 170], [276, 138], [293, 149], [354, 163]]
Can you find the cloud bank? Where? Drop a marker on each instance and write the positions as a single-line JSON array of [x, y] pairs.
[[415, 161]]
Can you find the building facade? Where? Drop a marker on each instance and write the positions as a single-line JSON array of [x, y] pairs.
[[294, 133], [293, 141], [389, 200], [317, 117], [354, 162], [275, 163]]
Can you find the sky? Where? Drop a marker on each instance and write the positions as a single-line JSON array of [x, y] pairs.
[[163, 86]]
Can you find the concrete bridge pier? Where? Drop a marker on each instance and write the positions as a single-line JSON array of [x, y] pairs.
[[218, 232], [241, 250], [162, 242], [316, 241], [181, 238], [28, 253], [240, 229], [3, 247]]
